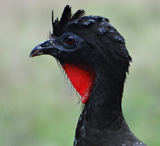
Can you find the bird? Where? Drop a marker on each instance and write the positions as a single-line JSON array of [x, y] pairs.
[[94, 57]]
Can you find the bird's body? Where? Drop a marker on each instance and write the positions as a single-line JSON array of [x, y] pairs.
[[95, 59]]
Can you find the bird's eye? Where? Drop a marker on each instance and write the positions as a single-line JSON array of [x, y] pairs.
[[70, 40]]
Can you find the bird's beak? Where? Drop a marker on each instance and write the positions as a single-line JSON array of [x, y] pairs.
[[47, 47]]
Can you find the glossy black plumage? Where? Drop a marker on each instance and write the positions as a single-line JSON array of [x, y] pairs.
[[99, 45]]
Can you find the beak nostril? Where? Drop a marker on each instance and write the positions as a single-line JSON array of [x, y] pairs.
[[45, 44]]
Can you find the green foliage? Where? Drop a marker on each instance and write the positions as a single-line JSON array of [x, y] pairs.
[[37, 108]]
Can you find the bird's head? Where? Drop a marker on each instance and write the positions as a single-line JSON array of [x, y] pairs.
[[88, 48]]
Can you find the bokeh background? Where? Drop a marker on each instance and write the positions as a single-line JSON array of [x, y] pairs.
[[37, 104]]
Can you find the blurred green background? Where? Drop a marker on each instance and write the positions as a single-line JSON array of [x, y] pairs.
[[37, 106]]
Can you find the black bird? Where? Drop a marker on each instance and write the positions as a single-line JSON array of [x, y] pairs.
[[94, 56]]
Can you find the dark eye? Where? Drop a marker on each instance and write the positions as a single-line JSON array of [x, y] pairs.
[[70, 40]]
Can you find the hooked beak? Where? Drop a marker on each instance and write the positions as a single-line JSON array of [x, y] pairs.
[[47, 47]]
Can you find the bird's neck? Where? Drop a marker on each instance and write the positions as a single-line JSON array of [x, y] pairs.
[[102, 115], [103, 106]]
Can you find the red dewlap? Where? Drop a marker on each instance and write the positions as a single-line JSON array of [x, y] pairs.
[[82, 77]]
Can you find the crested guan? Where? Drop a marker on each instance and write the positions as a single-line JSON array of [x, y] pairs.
[[94, 56]]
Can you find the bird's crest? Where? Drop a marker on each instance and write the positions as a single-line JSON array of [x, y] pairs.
[[59, 26]]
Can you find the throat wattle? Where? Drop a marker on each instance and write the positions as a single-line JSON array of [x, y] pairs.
[[82, 77]]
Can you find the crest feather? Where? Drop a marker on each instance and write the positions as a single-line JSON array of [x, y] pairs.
[[59, 26]]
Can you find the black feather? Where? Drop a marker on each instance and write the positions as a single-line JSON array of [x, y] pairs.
[[52, 19], [66, 16], [77, 15], [59, 26]]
